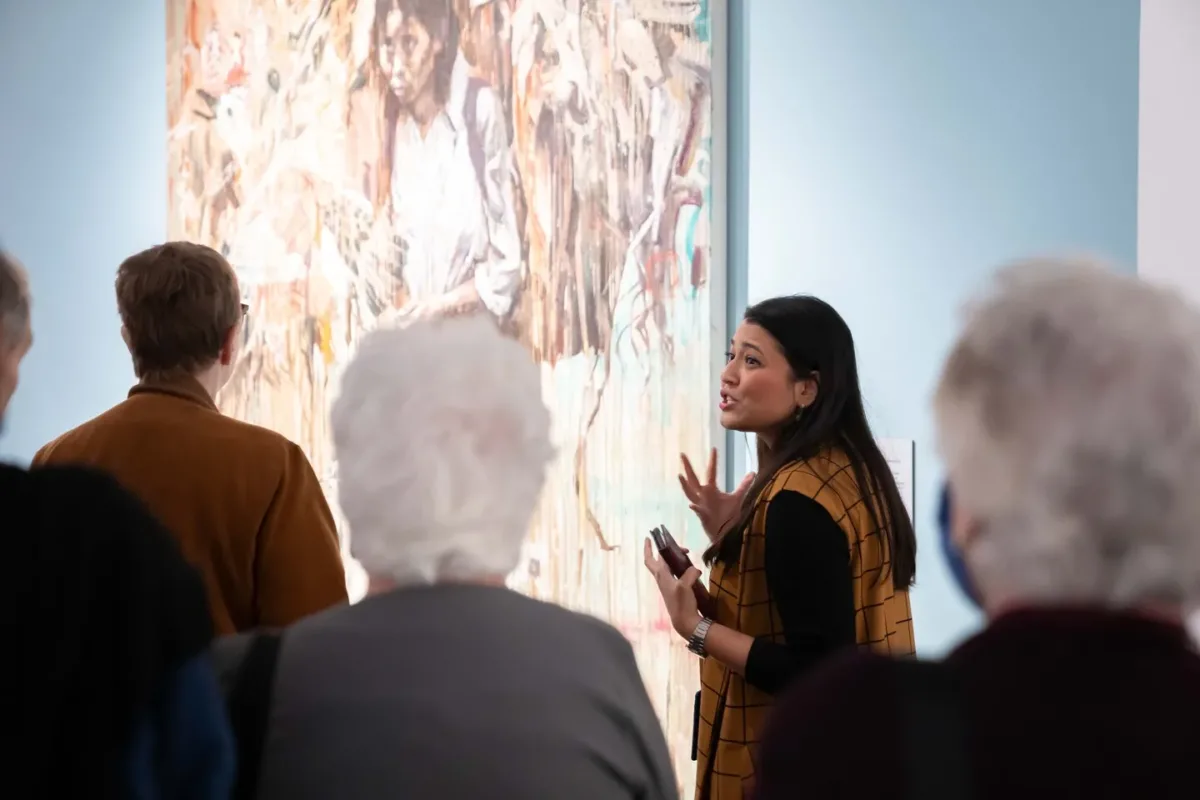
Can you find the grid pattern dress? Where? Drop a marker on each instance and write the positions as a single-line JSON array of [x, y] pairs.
[[732, 712]]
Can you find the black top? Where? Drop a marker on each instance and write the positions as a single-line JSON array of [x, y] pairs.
[[808, 575], [99, 606]]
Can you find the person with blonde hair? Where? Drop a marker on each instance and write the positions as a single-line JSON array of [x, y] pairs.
[[443, 682], [1068, 419]]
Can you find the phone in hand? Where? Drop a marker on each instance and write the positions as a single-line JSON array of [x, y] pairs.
[[678, 562]]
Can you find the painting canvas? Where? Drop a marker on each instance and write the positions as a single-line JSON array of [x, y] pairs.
[[545, 162]]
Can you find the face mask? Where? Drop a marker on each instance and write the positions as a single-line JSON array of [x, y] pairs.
[[951, 552]]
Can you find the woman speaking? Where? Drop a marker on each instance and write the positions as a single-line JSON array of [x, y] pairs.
[[812, 554]]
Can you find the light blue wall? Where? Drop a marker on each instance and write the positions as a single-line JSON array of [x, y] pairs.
[[898, 151], [886, 155], [83, 183]]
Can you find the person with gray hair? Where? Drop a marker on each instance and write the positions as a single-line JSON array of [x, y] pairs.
[[1068, 419], [443, 682], [16, 336], [1069, 422]]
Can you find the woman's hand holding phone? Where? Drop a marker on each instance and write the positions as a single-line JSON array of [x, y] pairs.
[[675, 574]]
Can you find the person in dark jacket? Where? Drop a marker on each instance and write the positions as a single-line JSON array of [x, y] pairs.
[[108, 687], [1068, 418]]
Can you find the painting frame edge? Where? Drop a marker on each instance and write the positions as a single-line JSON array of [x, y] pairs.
[[721, 298]]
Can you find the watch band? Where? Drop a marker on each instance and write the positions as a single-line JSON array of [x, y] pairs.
[[696, 640]]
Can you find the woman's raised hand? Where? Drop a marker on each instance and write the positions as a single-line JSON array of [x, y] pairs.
[[714, 508]]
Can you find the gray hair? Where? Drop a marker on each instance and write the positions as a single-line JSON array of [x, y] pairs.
[[442, 441], [14, 302], [1068, 416]]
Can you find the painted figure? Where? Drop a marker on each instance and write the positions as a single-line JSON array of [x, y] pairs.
[[542, 163]]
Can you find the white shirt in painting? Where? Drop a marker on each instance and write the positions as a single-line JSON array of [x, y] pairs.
[[453, 211]]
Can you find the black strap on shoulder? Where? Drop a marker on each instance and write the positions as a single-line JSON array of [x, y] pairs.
[[934, 733], [249, 708]]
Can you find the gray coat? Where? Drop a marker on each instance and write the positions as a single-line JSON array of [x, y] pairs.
[[457, 691]]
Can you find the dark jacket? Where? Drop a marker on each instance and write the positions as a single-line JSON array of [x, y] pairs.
[[108, 687], [1054, 704]]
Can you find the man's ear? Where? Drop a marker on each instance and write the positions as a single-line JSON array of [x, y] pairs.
[[229, 346], [125, 338]]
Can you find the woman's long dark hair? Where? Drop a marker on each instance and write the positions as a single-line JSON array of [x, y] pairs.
[[816, 341]]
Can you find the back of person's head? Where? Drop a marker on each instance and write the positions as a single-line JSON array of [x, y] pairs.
[[15, 335], [180, 309], [817, 346], [442, 441], [115, 616], [1068, 417]]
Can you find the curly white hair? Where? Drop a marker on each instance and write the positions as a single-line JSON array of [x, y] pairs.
[[442, 440], [1068, 416]]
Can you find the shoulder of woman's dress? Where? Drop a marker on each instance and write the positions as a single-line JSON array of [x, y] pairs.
[[810, 475], [804, 476]]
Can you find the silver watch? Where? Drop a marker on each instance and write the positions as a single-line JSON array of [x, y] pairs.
[[696, 640]]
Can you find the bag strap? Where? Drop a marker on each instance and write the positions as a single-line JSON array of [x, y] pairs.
[[250, 707], [696, 728], [704, 791], [934, 733]]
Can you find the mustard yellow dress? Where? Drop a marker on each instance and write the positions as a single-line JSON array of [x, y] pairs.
[[733, 712]]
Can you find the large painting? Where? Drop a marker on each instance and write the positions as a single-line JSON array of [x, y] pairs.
[[545, 162]]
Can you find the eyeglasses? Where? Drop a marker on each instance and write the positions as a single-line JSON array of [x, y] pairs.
[[245, 309]]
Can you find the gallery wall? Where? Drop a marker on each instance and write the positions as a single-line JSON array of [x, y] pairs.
[[82, 185], [900, 151], [884, 159], [1169, 168]]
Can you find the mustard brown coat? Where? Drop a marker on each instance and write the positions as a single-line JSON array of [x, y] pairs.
[[242, 501]]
